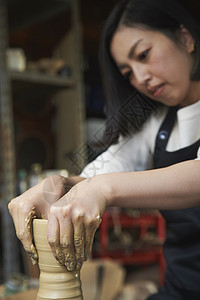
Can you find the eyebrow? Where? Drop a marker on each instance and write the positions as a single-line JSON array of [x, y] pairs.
[[131, 53]]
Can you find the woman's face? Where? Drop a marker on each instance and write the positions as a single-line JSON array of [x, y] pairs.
[[155, 65]]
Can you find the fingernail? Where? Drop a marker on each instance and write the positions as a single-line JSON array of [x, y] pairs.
[[33, 259], [70, 265], [34, 252]]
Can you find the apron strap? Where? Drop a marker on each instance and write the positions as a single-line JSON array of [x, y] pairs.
[[164, 134]]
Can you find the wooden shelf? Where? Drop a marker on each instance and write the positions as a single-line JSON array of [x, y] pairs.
[[37, 84], [42, 79]]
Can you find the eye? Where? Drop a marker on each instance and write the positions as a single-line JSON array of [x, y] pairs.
[[143, 55]]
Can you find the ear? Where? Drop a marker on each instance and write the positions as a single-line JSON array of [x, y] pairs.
[[186, 39]]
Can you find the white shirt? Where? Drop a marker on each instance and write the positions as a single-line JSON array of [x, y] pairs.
[[135, 153]]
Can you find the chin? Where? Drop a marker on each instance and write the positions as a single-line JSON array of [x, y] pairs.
[[169, 102]]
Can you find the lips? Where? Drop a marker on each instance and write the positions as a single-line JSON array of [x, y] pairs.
[[156, 90]]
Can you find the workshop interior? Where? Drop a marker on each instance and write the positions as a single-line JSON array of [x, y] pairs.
[[52, 121]]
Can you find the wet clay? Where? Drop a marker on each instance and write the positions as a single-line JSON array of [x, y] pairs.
[[55, 281], [28, 226]]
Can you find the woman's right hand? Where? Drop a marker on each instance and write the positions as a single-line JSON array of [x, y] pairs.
[[36, 202]]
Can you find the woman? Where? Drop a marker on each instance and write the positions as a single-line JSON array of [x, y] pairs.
[[150, 54]]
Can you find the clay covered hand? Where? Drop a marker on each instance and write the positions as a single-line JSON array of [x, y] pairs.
[[73, 221], [36, 202]]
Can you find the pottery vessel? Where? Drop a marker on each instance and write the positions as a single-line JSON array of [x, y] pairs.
[[55, 281]]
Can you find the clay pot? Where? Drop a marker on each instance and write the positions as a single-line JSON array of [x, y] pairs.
[[55, 281]]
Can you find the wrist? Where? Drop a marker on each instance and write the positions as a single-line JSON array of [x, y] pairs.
[[105, 185]]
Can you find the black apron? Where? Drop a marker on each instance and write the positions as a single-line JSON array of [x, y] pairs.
[[182, 245]]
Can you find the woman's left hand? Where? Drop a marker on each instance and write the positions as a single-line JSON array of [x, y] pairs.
[[73, 221]]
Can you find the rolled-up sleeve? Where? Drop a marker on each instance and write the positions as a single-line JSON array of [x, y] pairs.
[[129, 154]]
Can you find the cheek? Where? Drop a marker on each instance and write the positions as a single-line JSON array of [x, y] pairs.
[[162, 65], [172, 67]]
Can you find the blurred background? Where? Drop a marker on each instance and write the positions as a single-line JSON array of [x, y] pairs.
[[52, 121]]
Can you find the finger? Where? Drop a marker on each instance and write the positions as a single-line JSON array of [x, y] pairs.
[[28, 234], [22, 216], [91, 227], [25, 224], [79, 240], [54, 238], [67, 243], [13, 210]]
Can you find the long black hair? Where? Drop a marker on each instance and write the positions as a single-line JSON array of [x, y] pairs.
[[127, 109]]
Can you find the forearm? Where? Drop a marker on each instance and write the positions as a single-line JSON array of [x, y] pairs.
[[79, 211], [173, 187]]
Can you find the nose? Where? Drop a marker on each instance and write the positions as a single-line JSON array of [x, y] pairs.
[[141, 74]]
